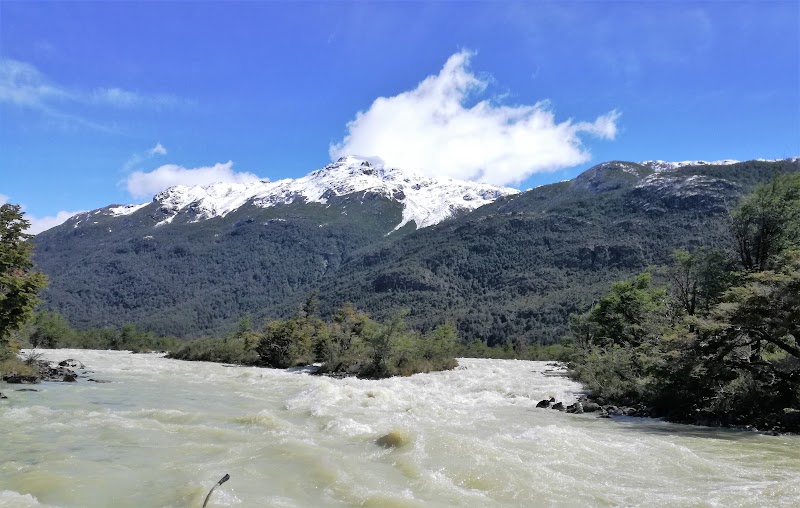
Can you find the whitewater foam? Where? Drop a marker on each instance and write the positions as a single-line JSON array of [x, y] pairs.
[[474, 439]]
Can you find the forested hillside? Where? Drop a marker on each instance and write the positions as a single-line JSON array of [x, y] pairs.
[[520, 266], [189, 279], [513, 269]]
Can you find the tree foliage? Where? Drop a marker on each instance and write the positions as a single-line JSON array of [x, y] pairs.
[[729, 352], [767, 222], [19, 283]]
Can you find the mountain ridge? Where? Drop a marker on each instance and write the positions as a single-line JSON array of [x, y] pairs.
[[426, 200], [514, 267]]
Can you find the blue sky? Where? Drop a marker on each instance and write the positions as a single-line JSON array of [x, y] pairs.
[[97, 96]]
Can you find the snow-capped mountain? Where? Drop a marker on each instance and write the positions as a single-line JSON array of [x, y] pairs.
[[659, 165], [426, 201], [112, 266]]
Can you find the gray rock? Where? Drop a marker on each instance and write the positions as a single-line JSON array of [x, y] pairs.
[[576, 408], [19, 379], [543, 403], [591, 407], [558, 405], [69, 362]]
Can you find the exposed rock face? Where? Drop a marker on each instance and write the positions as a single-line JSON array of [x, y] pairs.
[[662, 191], [610, 176]]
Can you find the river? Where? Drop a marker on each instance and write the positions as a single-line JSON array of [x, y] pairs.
[[162, 432]]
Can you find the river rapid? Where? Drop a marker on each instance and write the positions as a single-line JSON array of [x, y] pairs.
[[162, 432]]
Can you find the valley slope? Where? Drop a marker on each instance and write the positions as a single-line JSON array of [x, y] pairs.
[[515, 267]]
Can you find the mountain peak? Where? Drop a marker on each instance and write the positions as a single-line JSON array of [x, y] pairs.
[[426, 200]]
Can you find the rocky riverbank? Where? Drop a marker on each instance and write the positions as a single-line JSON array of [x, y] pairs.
[[67, 371], [786, 422]]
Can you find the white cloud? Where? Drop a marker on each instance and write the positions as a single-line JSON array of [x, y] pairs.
[[3, 199], [116, 97], [138, 158], [125, 99], [430, 129], [44, 223], [146, 184], [22, 84], [158, 150]]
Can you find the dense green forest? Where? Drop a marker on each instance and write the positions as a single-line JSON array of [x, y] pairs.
[[199, 278], [719, 342], [511, 271]]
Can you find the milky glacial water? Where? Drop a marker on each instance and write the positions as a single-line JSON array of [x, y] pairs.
[[162, 432]]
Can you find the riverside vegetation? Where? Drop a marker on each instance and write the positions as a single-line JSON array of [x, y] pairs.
[[719, 342], [349, 344]]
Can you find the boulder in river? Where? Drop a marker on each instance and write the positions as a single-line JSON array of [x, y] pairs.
[[3, 396], [544, 403], [558, 405], [590, 407], [69, 362], [394, 439], [69, 378], [576, 408]]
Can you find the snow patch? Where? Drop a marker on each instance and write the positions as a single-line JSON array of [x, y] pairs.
[[426, 201], [659, 165], [117, 211]]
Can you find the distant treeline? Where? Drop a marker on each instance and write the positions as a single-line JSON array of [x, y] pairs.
[[349, 344], [51, 330]]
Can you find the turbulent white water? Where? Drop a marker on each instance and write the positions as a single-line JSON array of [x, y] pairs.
[[163, 432]]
